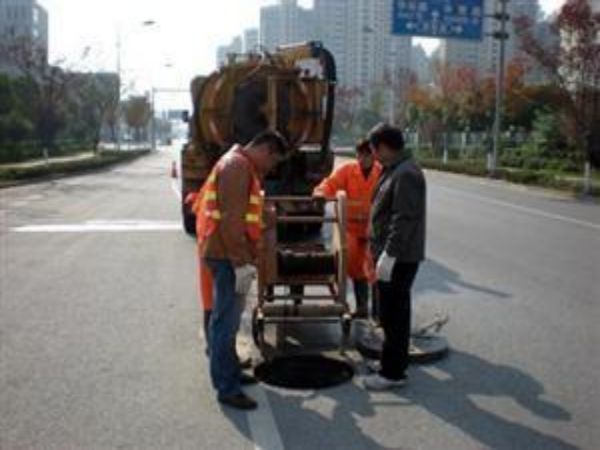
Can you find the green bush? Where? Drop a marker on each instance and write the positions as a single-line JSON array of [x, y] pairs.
[[101, 160]]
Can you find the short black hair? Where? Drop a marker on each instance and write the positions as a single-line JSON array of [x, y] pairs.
[[276, 142], [363, 146], [389, 135]]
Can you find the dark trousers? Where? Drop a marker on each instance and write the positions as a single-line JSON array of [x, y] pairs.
[[394, 314]]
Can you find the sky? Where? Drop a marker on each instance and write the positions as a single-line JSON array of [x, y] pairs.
[[180, 44]]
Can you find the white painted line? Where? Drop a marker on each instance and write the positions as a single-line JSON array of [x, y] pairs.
[[175, 189], [532, 211], [101, 226], [262, 423]]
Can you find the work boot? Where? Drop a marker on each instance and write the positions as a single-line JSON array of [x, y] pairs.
[[246, 379], [377, 382], [239, 401]]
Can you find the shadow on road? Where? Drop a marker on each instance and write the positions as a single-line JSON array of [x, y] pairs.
[[335, 415], [436, 277], [463, 376]]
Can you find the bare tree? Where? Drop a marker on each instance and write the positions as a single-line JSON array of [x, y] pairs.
[[572, 61]]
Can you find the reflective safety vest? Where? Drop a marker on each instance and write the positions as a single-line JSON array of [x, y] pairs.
[[207, 210]]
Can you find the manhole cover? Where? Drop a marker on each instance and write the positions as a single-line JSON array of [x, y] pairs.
[[304, 372], [423, 349]]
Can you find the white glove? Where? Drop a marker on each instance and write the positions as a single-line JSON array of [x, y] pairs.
[[243, 278], [385, 266]]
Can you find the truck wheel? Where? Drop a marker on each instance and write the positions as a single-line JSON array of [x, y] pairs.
[[189, 221]]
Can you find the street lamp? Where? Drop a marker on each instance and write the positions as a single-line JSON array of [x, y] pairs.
[[145, 23], [501, 35]]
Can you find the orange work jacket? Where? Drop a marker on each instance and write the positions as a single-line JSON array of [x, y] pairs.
[[206, 205], [359, 190]]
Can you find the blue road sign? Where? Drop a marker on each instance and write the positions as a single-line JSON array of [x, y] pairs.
[[460, 19]]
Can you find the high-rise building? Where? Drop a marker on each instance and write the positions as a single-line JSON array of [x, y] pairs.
[[250, 40], [285, 23], [420, 64], [331, 17], [24, 22], [235, 47], [358, 33]]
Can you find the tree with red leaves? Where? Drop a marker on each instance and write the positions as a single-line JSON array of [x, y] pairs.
[[573, 63]]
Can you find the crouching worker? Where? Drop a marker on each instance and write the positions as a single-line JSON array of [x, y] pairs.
[[358, 178], [229, 229]]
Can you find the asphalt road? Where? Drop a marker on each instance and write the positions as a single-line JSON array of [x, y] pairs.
[[99, 320]]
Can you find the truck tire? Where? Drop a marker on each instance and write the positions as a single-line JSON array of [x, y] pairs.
[[189, 221]]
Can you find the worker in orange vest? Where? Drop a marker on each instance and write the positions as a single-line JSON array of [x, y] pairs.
[[205, 281], [229, 227], [358, 178]]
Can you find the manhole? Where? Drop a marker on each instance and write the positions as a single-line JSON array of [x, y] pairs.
[[304, 372], [423, 349]]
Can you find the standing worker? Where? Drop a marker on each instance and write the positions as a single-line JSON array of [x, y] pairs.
[[397, 238], [205, 282], [229, 231], [358, 178]]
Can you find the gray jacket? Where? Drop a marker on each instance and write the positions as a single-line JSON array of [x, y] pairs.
[[397, 222]]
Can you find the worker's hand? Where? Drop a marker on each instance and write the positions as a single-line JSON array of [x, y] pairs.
[[318, 199], [243, 278], [385, 266]]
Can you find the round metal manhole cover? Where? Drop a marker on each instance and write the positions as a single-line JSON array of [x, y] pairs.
[[304, 372], [423, 349]]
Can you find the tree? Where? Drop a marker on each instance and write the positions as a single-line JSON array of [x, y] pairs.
[[137, 114], [346, 105], [50, 87], [573, 63], [15, 123], [95, 104]]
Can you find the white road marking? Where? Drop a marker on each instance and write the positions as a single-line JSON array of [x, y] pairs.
[[262, 423], [101, 226], [532, 211]]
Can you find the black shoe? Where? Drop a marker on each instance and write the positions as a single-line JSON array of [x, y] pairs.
[[246, 379], [360, 314], [245, 363], [239, 401]]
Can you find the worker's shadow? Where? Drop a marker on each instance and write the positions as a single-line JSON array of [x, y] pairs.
[[455, 393], [436, 277], [305, 419], [451, 391]]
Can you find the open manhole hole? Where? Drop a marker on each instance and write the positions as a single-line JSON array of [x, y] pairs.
[[304, 372]]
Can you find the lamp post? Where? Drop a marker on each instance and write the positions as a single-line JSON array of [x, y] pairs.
[[145, 23], [501, 35]]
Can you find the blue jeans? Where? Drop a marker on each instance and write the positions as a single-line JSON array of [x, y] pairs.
[[224, 324]]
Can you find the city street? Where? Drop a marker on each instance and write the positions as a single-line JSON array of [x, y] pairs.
[[99, 321]]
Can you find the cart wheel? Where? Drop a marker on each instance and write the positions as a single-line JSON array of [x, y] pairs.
[[258, 329], [346, 322]]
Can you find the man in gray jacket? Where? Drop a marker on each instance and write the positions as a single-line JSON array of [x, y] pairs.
[[397, 238]]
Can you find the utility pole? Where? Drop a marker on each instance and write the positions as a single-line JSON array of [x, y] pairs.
[[501, 35], [153, 112], [118, 108]]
